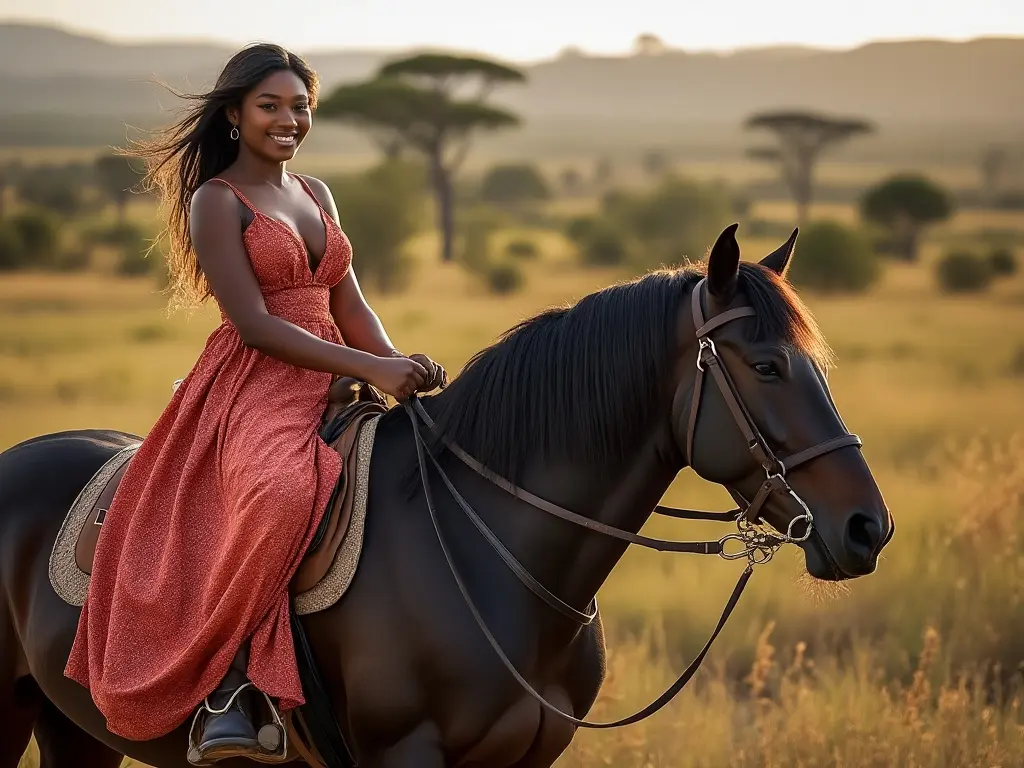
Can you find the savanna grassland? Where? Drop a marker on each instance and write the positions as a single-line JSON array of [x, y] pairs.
[[917, 665]]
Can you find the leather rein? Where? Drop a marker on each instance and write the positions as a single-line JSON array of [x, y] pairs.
[[758, 544]]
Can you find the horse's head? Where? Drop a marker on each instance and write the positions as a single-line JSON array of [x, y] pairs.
[[759, 418]]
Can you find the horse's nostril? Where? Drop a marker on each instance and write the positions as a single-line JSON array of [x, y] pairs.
[[863, 532]]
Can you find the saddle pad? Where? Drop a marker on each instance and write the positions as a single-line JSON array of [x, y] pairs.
[[71, 583], [67, 579]]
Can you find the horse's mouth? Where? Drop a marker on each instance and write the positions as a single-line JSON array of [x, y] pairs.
[[819, 560]]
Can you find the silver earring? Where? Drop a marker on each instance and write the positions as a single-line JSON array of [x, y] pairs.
[[234, 133]]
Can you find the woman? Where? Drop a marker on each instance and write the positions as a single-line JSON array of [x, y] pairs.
[[189, 593]]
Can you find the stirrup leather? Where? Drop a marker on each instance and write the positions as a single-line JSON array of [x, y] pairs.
[[272, 737]]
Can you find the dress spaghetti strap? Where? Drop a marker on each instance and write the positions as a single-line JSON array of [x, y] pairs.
[[309, 191], [238, 194]]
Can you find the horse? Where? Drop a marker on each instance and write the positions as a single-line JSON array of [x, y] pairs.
[[554, 446]]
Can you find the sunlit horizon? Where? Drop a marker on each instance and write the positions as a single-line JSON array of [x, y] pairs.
[[530, 30]]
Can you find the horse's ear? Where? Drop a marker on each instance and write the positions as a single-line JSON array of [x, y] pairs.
[[778, 260], [724, 266]]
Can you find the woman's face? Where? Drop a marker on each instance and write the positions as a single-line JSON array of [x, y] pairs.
[[274, 117]]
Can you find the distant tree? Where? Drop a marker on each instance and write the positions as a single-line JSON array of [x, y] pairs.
[[513, 184], [655, 162], [570, 181], [116, 175], [802, 138], [411, 102], [381, 209], [993, 166], [905, 204], [647, 44], [56, 189], [603, 171], [10, 172], [39, 233]]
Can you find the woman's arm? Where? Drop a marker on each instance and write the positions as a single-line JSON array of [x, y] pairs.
[[359, 325], [217, 239]]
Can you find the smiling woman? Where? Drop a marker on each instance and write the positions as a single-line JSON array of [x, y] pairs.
[[224, 495]]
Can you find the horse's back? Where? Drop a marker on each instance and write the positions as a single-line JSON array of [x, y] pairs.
[[39, 480]]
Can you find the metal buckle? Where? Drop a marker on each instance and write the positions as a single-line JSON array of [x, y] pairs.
[[705, 343], [759, 547]]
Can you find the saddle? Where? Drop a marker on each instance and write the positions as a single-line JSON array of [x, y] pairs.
[[327, 566]]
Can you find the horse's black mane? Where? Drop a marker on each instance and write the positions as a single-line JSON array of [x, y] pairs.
[[578, 382]]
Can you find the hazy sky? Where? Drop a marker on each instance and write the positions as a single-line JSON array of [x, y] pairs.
[[528, 29]]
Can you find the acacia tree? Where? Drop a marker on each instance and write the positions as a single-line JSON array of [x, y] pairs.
[[419, 102], [905, 204], [802, 138]]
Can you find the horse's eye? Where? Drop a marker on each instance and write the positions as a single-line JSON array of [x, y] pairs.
[[767, 369]]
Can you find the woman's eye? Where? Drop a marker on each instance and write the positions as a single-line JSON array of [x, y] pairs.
[[766, 369], [267, 106]]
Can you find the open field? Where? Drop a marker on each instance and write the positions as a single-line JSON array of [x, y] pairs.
[[834, 169], [916, 665]]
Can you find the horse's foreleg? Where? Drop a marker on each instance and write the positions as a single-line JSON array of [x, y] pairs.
[[419, 749], [62, 744], [20, 700], [554, 735]]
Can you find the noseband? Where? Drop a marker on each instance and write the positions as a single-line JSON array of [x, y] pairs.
[[758, 544]]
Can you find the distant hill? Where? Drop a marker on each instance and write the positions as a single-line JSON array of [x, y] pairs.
[[56, 76]]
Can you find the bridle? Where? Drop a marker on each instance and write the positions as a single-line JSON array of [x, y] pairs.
[[775, 469], [759, 544]]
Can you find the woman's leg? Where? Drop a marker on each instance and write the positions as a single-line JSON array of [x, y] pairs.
[[228, 726]]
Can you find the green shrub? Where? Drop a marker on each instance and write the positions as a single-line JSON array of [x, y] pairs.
[[12, 249], [40, 237], [514, 183], [579, 227], [604, 246], [476, 232], [834, 258], [381, 209], [134, 262], [677, 220], [522, 249], [1003, 262], [963, 272], [504, 277], [76, 260]]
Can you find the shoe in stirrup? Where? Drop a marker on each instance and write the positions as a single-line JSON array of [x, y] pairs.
[[227, 719]]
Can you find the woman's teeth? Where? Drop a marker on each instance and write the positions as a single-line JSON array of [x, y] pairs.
[[286, 140]]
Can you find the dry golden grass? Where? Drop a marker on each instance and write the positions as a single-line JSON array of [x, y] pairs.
[[915, 665]]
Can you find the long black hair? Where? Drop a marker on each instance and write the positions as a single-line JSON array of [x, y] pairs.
[[184, 156]]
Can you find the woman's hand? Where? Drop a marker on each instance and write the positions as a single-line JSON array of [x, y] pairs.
[[436, 375], [399, 377]]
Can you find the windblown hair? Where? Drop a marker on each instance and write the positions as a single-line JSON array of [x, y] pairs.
[[582, 383], [184, 156]]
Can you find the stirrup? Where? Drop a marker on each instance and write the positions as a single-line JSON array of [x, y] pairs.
[[272, 737]]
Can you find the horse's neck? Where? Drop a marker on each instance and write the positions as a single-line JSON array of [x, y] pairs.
[[580, 561]]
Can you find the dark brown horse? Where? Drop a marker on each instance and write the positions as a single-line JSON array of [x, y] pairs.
[[594, 409]]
